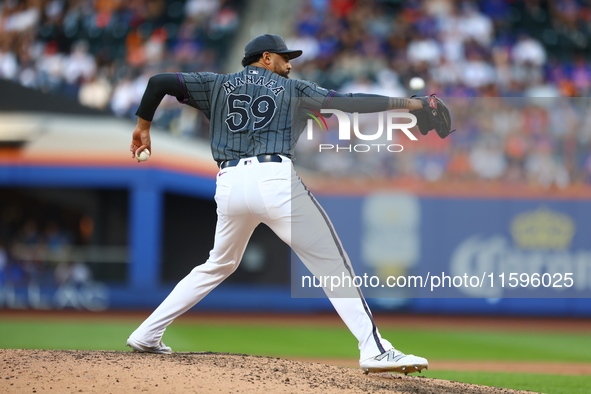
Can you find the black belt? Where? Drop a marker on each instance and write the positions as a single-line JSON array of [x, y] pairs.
[[260, 158]]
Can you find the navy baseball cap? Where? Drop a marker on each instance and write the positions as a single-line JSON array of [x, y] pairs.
[[272, 43]]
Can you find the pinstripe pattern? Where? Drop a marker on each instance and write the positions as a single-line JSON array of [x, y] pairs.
[[226, 100]]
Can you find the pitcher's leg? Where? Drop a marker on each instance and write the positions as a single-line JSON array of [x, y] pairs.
[[231, 238], [313, 238]]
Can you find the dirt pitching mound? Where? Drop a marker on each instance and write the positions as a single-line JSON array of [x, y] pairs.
[[73, 371]]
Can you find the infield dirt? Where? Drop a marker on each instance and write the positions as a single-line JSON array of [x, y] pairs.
[[74, 371]]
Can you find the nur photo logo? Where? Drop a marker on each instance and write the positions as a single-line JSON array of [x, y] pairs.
[[387, 123]]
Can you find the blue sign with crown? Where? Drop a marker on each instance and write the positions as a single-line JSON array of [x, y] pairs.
[[505, 249]]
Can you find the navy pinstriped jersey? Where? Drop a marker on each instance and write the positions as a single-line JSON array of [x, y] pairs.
[[250, 112]]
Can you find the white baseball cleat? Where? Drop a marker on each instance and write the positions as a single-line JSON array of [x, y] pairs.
[[394, 361], [138, 347]]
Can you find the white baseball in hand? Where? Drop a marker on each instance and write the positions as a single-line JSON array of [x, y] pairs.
[[143, 156], [416, 83]]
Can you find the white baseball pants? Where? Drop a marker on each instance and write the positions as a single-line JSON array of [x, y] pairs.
[[271, 193]]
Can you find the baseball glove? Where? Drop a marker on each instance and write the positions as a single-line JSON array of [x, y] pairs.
[[433, 116]]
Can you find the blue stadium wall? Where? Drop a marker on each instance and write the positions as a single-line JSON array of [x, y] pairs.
[[448, 236]]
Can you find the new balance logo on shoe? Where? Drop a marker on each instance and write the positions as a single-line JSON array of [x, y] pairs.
[[390, 356], [394, 361]]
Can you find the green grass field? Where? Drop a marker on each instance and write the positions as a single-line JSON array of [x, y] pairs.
[[330, 342]]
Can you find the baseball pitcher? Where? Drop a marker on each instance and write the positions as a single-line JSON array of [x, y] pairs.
[[252, 140]]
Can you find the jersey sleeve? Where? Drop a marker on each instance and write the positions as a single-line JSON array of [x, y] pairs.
[[197, 89], [315, 96]]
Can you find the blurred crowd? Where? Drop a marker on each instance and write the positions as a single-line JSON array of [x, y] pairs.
[[103, 51], [462, 49]]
